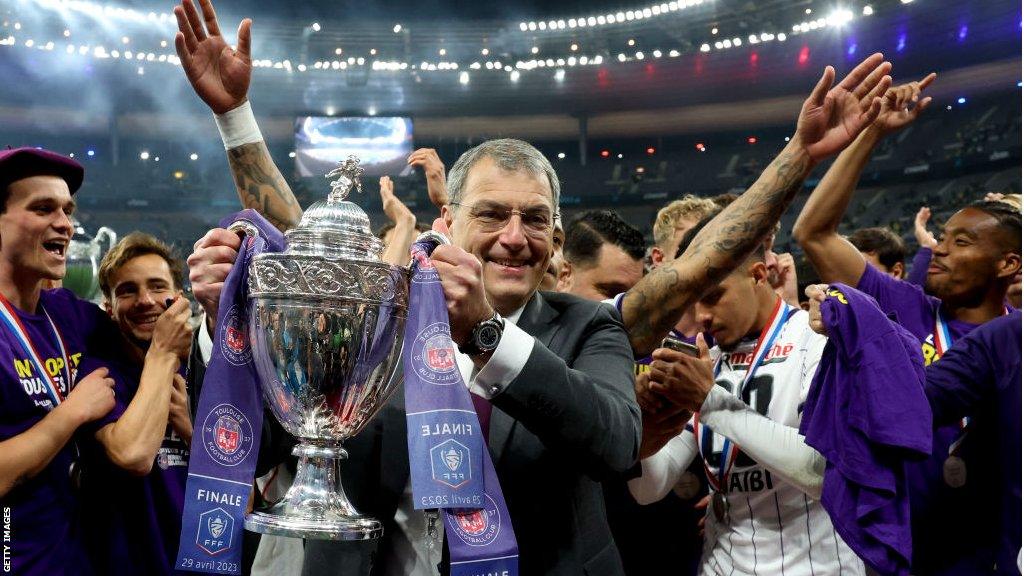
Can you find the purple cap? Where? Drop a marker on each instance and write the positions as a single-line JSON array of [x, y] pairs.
[[19, 163]]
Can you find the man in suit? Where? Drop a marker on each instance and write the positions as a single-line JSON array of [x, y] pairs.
[[557, 386]]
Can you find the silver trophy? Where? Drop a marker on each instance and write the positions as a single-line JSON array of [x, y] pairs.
[[326, 324], [83, 260]]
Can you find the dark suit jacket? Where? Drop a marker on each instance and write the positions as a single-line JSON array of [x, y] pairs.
[[569, 420]]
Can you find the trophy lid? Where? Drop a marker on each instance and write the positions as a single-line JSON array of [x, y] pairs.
[[336, 228]]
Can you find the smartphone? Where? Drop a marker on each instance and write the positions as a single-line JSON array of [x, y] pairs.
[[678, 345]]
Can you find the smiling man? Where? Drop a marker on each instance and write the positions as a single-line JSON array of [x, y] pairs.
[[973, 265], [554, 392], [138, 277], [56, 394]]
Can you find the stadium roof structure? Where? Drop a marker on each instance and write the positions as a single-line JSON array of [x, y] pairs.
[[458, 67]]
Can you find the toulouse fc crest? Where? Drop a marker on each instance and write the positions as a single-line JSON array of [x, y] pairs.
[[477, 527], [234, 338], [227, 435], [434, 355], [227, 432]]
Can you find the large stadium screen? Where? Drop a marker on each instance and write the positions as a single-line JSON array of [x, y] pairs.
[[382, 144]]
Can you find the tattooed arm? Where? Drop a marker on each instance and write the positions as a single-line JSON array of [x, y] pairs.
[[829, 120], [220, 76], [261, 186], [834, 258], [652, 307]]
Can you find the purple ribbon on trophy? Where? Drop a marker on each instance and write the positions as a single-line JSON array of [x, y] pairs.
[[228, 424], [450, 465]]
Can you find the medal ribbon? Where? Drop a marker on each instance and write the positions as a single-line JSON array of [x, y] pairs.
[[449, 463], [10, 318], [942, 338], [703, 434]]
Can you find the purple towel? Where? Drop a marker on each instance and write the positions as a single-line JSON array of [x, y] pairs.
[[867, 414]]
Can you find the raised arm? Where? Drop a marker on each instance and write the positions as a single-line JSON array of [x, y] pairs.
[[433, 170], [830, 119], [817, 227], [220, 76], [397, 250]]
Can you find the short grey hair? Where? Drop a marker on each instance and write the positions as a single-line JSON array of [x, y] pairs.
[[509, 154]]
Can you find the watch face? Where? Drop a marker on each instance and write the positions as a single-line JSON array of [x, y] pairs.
[[489, 336]]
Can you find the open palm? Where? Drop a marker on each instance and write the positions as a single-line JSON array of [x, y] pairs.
[[219, 74], [896, 110], [832, 117]]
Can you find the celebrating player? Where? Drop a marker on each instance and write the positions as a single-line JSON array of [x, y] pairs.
[[974, 262]]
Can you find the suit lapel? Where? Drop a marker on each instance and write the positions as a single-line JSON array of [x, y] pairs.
[[537, 321]]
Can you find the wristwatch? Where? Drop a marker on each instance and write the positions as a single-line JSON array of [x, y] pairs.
[[484, 337]]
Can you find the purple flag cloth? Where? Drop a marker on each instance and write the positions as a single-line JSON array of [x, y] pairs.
[[450, 466], [227, 424], [867, 414]]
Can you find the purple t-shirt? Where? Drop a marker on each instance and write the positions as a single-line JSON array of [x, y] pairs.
[[919, 267], [937, 509], [45, 525], [140, 535], [867, 414], [980, 377]]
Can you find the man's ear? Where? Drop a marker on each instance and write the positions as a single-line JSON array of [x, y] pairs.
[[657, 257], [448, 215], [108, 307], [759, 272], [1009, 265], [897, 270], [564, 277]]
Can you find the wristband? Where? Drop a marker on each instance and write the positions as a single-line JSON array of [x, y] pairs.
[[238, 126]]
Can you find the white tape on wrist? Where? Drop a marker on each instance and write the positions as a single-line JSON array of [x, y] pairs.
[[238, 127]]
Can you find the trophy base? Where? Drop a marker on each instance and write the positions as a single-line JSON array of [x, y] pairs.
[[315, 506], [277, 521]]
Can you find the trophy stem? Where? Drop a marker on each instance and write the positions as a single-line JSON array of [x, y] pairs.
[[315, 506]]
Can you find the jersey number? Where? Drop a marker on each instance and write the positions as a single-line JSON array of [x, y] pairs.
[[758, 395]]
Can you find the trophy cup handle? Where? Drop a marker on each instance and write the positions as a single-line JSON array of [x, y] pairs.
[[245, 227], [109, 234]]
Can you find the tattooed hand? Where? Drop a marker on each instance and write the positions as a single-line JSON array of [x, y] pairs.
[[832, 117]]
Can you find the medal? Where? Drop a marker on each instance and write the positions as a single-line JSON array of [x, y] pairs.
[[705, 436], [720, 506], [954, 472]]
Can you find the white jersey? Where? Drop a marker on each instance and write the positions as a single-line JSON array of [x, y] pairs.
[[771, 527]]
